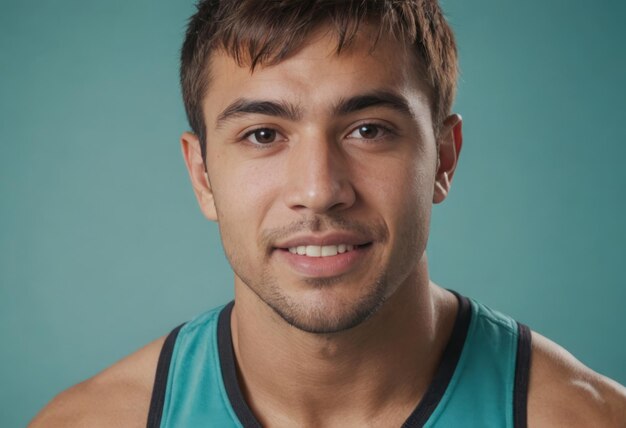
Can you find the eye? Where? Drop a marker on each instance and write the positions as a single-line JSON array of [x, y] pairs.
[[369, 131], [262, 136]]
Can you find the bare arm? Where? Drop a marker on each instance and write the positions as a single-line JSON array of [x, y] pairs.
[[564, 392], [117, 397]]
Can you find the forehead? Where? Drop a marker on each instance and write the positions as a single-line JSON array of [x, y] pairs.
[[316, 76]]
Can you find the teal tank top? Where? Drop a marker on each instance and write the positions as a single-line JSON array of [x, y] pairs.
[[481, 381]]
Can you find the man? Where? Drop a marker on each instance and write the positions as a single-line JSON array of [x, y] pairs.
[[322, 137]]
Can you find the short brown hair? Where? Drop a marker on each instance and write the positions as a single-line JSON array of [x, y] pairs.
[[264, 32]]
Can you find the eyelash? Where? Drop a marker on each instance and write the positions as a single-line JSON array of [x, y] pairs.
[[386, 130], [248, 134]]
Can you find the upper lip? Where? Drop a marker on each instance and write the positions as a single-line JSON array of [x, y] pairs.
[[334, 238]]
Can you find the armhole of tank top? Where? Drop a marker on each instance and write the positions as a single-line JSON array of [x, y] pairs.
[[522, 375], [160, 380]]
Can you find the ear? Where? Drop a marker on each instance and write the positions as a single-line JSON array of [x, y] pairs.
[[449, 146], [190, 145]]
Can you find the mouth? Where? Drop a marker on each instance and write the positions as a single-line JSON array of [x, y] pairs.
[[324, 255], [323, 250], [323, 259]]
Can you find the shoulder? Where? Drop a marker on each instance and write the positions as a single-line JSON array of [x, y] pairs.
[[118, 396], [564, 392]]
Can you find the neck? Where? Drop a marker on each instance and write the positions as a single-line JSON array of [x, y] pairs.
[[375, 371]]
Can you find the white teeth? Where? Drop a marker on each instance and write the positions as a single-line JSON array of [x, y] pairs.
[[329, 250], [313, 251], [320, 251]]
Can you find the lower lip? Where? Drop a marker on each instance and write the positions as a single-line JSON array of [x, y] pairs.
[[323, 267]]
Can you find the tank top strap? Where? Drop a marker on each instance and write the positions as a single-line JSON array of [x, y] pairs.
[[191, 393], [489, 386]]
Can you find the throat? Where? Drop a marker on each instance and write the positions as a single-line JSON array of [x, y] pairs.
[[381, 367]]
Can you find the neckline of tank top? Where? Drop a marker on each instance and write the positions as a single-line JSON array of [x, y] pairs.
[[423, 410]]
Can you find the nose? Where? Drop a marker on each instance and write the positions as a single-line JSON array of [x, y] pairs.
[[318, 177]]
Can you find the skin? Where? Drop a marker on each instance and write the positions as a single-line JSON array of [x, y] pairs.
[[321, 174]]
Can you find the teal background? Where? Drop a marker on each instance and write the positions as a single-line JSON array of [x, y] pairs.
[[102, 247]]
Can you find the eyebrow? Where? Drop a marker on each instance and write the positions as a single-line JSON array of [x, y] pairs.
[[374, 99], [243, 106]]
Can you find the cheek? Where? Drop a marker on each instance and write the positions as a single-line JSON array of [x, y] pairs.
[[414, 203], [411, 221], [243, 195], [403, 192], [238, 183], [403, 184], [238, 200]]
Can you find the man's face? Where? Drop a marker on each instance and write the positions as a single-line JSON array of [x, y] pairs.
[[322, 172]]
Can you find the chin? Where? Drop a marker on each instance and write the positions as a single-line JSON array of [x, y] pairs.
[[324, 310]]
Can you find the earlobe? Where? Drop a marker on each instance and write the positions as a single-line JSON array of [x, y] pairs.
[[192, 154], [449, 146]]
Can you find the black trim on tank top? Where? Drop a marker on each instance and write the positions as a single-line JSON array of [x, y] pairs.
[[418, 417], [160, 380], [522, 373], [229, 370], [447, 366]]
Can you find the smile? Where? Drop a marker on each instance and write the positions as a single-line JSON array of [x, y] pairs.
[[321, 250], [323, 261]]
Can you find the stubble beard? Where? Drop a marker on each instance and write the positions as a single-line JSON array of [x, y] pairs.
[[324, 308], [329, 315], [322, 316]]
